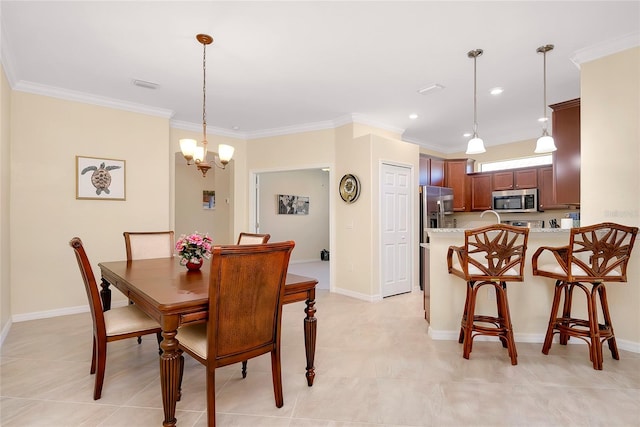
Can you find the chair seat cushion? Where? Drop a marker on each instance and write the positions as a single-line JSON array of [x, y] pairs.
[[129, 319], [576, 270], [194, 339]]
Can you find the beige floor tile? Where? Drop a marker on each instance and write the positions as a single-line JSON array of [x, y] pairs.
[[375, 366]]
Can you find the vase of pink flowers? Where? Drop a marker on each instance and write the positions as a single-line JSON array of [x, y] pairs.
[[193, 250]]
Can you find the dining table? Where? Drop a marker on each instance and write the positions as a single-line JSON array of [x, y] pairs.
[[175, 297]]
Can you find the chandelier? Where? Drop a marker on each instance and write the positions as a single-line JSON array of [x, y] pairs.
[[192, 152]]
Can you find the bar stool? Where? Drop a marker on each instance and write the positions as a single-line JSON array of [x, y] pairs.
[[491, 256], [596, 254]]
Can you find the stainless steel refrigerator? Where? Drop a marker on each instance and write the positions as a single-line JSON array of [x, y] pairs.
[[436, 209]]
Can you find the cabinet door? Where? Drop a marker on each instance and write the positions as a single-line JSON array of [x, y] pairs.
[[525, 178], [480, 192], [566, 159], [547, 190], [503, 180], [456, 178], [437, 172], [425, 170]]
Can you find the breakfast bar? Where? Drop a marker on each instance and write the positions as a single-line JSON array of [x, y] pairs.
[[529, 301]]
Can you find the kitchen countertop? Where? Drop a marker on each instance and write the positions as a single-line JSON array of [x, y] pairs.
[[531, 230]]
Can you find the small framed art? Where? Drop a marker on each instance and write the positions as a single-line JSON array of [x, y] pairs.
[[100, 179]]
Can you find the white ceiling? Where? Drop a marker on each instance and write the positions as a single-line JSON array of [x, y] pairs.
[[279, 66]]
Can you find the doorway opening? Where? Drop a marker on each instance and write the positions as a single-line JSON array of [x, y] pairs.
[[310, 226]]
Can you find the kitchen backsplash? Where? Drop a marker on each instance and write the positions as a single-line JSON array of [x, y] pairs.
[[473, 219]]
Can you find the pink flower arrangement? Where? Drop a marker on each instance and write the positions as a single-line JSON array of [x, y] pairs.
[[193, 248]]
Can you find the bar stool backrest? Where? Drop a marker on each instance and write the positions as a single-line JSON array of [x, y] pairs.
[[496, 252]]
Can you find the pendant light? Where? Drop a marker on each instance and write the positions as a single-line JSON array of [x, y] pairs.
[[189, 147], [545, 143], [476, 145]]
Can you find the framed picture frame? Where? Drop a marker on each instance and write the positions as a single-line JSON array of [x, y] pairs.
[[292, 205], [100, 178], [208, 199]]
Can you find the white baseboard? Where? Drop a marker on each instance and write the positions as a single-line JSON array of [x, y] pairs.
[[357, 295], [59, 312], [626, 345], [5, 332]]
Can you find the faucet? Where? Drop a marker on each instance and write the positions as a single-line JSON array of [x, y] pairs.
[[493, 212]]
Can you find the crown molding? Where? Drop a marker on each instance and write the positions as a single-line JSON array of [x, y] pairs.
[[606, 48], [197, 127], [71, 95]]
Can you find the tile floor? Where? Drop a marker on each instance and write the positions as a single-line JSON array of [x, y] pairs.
[[375, 366]]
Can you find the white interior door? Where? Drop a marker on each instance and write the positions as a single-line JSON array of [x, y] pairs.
[[397, 223]]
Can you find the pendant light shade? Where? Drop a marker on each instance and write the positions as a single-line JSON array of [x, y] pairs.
[[545, 143], [475, 145]]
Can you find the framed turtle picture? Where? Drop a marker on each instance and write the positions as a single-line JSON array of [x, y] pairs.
[[100, 179]]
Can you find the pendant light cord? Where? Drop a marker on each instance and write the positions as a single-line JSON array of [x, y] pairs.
[[204, 95]]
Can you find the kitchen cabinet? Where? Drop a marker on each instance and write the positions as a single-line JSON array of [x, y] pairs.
[[547, 190], [431, 171], [481, 185], [566, 159], [455, 176], [515, 180]]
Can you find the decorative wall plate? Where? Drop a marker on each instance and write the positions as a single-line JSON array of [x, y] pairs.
[[349, 188]]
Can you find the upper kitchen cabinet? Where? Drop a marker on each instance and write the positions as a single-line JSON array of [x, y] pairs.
[[566, 159], [547, 190], [480, 184], [431, 171], [515, 179], [455, 176]]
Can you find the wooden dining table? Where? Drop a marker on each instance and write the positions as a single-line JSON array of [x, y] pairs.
[[175, 297]]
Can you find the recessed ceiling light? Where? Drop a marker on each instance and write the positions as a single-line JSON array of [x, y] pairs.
[[496, 91], [430, 88], [466, 135], [146, 85], [413, 116]]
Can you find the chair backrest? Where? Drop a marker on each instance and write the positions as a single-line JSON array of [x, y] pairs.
[[149, 244], [90, 285], [495, 251], [246, 291], [253, 238], [600, 252]]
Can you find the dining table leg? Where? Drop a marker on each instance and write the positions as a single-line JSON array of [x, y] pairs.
[[169, 374], [105, 295], [310, 328]]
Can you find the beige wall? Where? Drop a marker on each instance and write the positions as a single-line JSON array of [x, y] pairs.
[[46, 135], [310, 232], [610, 155], [236, 186], [5, 180], [190, 216]]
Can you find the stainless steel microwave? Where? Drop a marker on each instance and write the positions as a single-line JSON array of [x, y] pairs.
[[515, 200]]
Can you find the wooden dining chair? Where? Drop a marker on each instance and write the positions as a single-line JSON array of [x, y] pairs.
[[491, 256], [148, 244], [112, 325], [595, 254], [246, 291], [252, 238]]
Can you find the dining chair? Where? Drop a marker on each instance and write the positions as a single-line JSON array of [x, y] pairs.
[[595, 254], [148, 244], [246, 291], [491, 256], [252, 238], [112, 325]]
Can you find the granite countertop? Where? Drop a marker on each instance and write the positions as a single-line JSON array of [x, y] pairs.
[[531, 230]]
